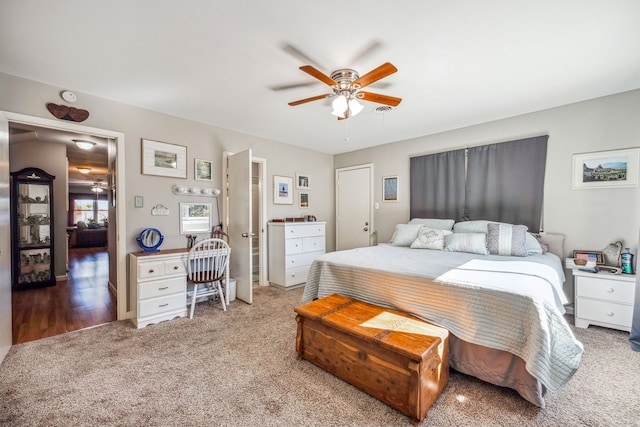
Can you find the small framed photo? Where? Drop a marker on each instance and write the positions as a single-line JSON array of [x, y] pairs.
[[282, 190], [606, 169], [596, 256], [164, 159], [302, 181], [203, 170], [390, 188], [303, 200]]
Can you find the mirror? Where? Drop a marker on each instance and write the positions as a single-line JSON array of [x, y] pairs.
[[195, 218], [150, 239]]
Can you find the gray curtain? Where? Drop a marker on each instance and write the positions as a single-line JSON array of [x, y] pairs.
[[437, 185], [634, 336], [505, 182]]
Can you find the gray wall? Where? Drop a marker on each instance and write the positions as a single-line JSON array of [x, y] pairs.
[[590, 218]]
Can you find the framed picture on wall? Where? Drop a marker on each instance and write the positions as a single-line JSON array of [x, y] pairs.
[[390, 188], [282, 190], [604, 169], [302, 181], [203, 170], [164, 159], [303, 200]]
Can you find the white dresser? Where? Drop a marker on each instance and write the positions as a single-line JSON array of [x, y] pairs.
[[158, 285], [292, 248], [604, 299]]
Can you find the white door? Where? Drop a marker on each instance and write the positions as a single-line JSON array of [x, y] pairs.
[[354, 206], [5, 248], [240, 233]]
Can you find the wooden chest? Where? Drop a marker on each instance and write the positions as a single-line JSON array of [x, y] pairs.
[[397, 358]]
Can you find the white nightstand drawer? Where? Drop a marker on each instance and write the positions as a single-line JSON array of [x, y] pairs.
[[299, 260], [148, 270], [158, 288], [313, 244], [293, 246], [174, 267], [296, 275], [304, 230], [159, 305], [609, 290], [606, 312]]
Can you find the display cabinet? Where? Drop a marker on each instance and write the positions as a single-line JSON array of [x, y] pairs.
[[32, 229]]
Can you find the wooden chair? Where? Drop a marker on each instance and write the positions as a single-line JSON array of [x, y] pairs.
[[207, 268]]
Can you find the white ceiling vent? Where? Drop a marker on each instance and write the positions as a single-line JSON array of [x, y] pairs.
[[383, 109]]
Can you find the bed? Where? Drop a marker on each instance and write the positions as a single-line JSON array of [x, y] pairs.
[[504, 313]]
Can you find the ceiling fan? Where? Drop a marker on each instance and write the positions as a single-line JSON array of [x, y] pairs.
[[346, 85]]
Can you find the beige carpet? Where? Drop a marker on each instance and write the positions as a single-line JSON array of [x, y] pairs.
[[239, 368]]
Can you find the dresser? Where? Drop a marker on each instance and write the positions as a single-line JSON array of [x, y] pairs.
[[604, 299], [292, 248], [158, 285]]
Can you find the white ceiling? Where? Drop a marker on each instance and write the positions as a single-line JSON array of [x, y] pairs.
[[459, 62]]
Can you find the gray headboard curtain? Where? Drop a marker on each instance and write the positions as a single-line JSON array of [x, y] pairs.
[[437, 185], [498, 182], [505, 182]]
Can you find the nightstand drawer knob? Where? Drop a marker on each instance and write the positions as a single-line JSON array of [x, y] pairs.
[[609, 313], [610, 290], [151, 270]]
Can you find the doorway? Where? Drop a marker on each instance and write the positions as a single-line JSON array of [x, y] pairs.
[[354, 207], [109, 264]]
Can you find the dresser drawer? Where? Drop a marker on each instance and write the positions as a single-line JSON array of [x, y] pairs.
[[608, 290], [606, 312], [304, 230], [299, 260], [174, 267], [313, 244], [149, 270], [293, 246], [164, 287], [296, 275], [160, 305]]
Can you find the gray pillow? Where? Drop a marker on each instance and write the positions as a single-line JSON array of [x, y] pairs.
[[441, 224], [405, 234], [475, 243], [507, 239]]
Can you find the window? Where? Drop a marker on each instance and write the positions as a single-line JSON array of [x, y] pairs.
[[88, 209]]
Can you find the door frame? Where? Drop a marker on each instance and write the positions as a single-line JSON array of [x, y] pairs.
[[262, 210], [120, 252], [368, 166]]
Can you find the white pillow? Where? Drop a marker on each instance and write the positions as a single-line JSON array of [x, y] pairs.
[[477, 226], [430, 238], [441, 224], [405, 234], [533, 246], [475, 243]]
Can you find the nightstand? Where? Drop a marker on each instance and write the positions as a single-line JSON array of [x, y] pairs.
[[604, 299]]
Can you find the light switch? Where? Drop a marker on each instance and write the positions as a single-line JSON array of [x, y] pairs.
[[377, 205]]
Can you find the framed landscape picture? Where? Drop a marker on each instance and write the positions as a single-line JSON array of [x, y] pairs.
[[606, 169], [164, 159], [203, 170], [390, 188], [282, 190]]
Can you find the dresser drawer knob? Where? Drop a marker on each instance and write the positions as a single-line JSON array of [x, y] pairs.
[[609, 313], [151, 270], [164, 305], [163, 288], [293, 262], [175, 267], [610, 290]]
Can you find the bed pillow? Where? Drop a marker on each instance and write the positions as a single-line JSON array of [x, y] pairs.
[[441, 224], [430, 238], [507, 239], [475, 243], [478, 226], [405, 234], [533, 246]]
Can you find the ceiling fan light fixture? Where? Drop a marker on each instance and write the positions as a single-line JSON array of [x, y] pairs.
[[355, 107], [83, 144], [339, 106], [97, 187], [84, 170]]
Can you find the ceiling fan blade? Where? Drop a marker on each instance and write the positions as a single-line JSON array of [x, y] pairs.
[[292, 85], [297, 53], [312, 71], [368, 50], [380, 99], [313, 98], [373, 76]]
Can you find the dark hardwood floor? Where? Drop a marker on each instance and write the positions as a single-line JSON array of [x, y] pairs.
[[83, 300]]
